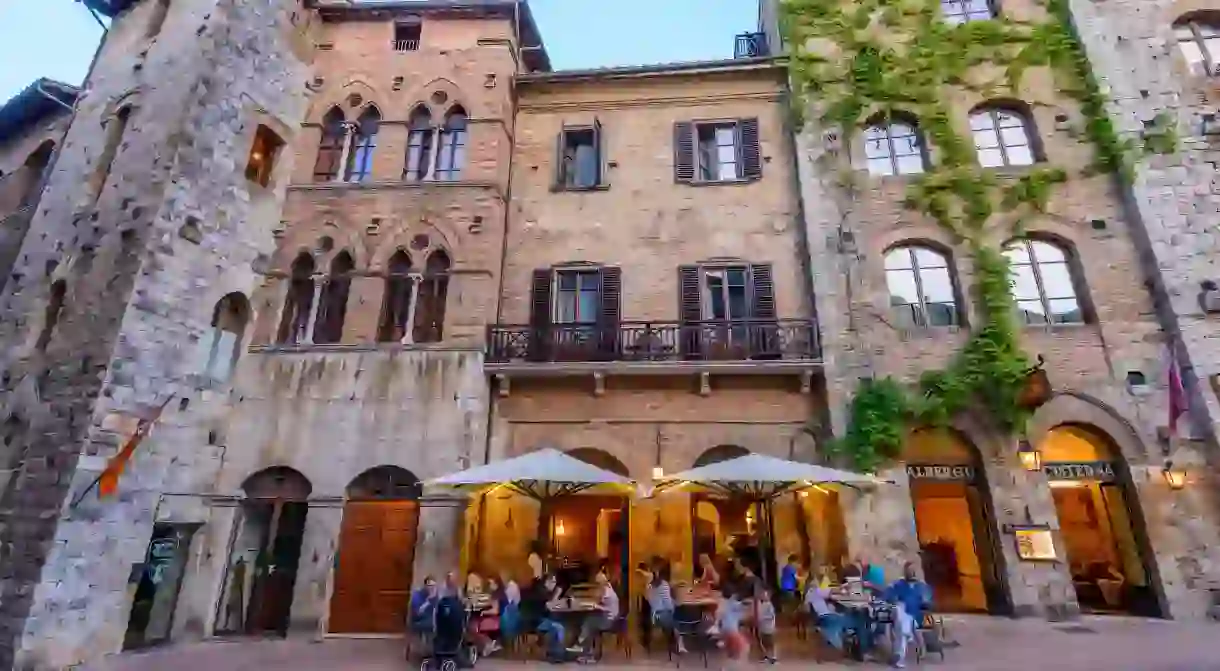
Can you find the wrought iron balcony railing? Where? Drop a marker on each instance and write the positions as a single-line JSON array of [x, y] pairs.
[[751, 45], [724, 341], [406, 45]]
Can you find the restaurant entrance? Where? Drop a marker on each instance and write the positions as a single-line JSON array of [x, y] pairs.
[[1101, 536], [954, 523], [589, 532]]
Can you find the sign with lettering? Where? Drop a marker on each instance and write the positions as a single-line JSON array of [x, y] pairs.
[[1101, 471], [939, 472]]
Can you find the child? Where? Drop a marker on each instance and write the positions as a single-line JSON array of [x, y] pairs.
[[728, 622], [765, 619]]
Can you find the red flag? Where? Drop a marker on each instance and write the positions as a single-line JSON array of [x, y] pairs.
[[1177, 394], [108, 481]]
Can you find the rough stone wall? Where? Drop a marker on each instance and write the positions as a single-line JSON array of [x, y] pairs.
[[332, 416], [1136, 58], [849, 232], [645, 222], [21, 184], [138, 298]]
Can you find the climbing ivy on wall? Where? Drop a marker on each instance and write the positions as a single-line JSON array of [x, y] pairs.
[[855, 60]]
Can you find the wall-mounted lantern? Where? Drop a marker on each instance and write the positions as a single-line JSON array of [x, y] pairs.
[[1031, 458]]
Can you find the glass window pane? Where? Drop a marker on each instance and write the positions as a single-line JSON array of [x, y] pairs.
[[1066, 311], [880, 166], [991, 158], [728, 171], [1194, 57], [1211, 48], [567, 281], [588, 281], [1014, 137], [942, 314], [874, 133], [1207, 30], [1008, 119], [222, 362], [1183, 32], [737, 302], [726, 136], [586, 307], [1017, 253], [901, 284], [981, 121], [979, 7], [910, 164], [877, 148], [937, 287], [1044, 251], [906, 144], [1056, 280], [566, 307], [898, 259], [928, 258], [1020, 156], [1025, 287], [1031, 312], [727, 154], [900, 129], [986, 139]]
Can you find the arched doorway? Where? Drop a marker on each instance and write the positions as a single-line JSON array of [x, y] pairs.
[[1104, 542], [376, 554], [955, 522], [590, 531], [265, 554]]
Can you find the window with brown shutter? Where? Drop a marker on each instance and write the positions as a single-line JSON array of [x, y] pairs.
[[611, 311], [579, 158], [710, 152], [726, 306], [540, 315]]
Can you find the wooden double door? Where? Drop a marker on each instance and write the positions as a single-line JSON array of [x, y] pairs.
[[372, 587]]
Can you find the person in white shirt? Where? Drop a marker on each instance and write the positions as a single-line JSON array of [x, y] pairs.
[[825, 618], [607, 611]]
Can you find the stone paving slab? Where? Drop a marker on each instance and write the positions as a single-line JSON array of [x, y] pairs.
[[1112, 644]]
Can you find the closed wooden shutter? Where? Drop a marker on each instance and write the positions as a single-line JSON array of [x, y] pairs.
[[540, 315], [764, 291], [610, 315], [751, 152], [684, 151], [690, 311]]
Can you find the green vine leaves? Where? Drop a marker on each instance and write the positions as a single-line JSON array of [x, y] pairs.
[[854, 60]]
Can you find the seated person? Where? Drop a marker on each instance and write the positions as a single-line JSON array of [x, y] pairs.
[[607, 611], [913, 596], [829, 622], [536, 605], [487, 621]]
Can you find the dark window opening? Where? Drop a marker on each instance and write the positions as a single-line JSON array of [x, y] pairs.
[[332, 305], [396, 306], [580, 160], [55, 308], [294, 324], [433, 294], [407, 36], [419, 144], [223, 344], [330, 149], [116, 128], [263, 153], [451, 153]]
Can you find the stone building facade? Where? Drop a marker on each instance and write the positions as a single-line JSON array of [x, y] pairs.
[[357, 247]]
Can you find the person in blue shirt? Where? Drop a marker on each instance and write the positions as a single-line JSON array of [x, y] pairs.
[[914, 596], [423, 608], [789, 584]]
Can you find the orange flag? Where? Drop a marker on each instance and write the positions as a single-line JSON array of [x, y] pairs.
[[108, 481]]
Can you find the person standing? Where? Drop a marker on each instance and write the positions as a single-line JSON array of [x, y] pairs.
[[789, 583], [764, 610]]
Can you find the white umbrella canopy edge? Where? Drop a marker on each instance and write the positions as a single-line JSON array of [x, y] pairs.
[[542, 473], [763, 476]]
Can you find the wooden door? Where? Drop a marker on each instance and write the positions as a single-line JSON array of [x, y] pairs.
[[373, 579]]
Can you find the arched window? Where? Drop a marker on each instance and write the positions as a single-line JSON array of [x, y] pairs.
[[1002, 137], [893, 147], [330, 150], [962, 11], [294, 324], [433, 293], [360, 157], [419, 144], [396, 307], [332, 305], [921, 286], [451, 154], [55, 308], [222, 346], [1043, 286], [1199, 41]]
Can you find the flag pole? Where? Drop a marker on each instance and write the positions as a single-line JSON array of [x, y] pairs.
[[96, 481]]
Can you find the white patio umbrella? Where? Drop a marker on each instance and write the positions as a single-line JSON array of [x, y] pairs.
[[543, 474], [760, 477]]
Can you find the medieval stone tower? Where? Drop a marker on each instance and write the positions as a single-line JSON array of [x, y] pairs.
[[161, 201]]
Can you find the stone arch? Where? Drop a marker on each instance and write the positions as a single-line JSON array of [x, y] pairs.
[[1077, 408], [1186, 10], [453, 94], [385, 482], [719, 453], [402, 237], [282, 483], [601, 459]]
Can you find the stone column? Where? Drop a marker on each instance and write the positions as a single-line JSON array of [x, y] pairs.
[[438, 546], [880, 522], [313, 311]]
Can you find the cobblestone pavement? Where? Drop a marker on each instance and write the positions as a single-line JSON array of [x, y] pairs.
[[1113, 644]]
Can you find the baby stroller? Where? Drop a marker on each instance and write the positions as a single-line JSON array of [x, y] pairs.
[[450, 649]]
